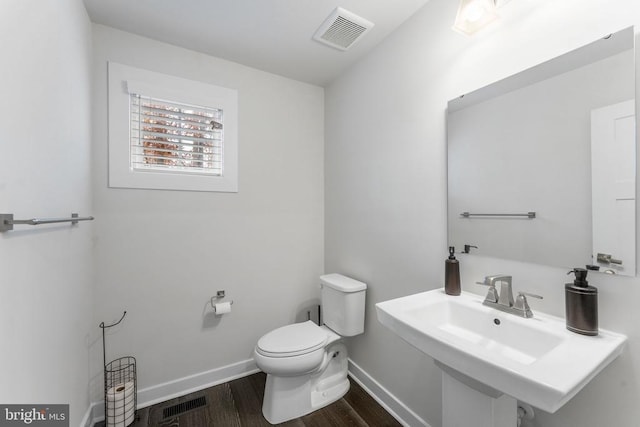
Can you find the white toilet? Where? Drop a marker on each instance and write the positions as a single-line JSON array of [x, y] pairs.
[[306, 364]]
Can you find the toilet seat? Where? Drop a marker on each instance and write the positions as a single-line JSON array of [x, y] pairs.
[[292, 340]]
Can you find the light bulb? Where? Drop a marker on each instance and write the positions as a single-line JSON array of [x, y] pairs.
[[474, 15], [474, 12]]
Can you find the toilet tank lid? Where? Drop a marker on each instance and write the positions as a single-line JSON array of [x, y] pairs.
[[342, 283]]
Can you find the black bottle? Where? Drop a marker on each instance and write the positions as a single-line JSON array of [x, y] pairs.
[[581, 301], [452, 274]]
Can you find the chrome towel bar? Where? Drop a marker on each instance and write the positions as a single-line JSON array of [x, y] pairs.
[[7, 222], [530, 215]]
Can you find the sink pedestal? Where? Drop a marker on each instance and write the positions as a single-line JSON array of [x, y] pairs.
[[466, 402]]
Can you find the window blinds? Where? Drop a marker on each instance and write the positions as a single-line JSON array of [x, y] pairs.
[[169, 136]]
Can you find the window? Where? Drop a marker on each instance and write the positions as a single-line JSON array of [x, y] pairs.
[[167, 136], [170, 133]]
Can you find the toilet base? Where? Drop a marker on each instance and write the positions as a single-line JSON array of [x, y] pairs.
[[286, 398]]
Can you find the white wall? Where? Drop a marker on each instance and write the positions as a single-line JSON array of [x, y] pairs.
[[161, 255], [45, 273], [385, 177]]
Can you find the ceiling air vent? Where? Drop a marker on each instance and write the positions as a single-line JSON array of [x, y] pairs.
[[342, 29]]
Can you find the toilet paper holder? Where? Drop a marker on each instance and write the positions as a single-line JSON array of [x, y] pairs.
[[120, 385], [218, 296]]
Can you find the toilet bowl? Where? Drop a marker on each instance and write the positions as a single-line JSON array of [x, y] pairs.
[[306, 364], [302, 376], [293, 349]]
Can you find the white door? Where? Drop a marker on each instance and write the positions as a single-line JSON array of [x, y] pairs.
[[613, 179]]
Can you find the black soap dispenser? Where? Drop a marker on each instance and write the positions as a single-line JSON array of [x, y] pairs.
[[452, 274], [581, 302]]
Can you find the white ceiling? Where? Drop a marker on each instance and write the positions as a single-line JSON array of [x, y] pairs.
[[271, 35]]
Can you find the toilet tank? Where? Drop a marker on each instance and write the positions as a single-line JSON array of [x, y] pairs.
[[342, 304]]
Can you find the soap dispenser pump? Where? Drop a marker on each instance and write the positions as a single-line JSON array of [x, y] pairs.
[[452, 274], [581, 301]]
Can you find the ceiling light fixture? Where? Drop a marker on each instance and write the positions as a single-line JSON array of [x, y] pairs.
[[474, 15]]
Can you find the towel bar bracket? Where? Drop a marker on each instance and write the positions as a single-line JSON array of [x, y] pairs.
[[6, 222]]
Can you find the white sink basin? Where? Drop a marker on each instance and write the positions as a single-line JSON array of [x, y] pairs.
[[535, 360]]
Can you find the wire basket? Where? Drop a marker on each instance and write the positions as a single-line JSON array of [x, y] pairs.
[[120, 392], [120, 386]]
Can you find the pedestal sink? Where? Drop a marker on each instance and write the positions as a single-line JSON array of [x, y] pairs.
[[490, 358]]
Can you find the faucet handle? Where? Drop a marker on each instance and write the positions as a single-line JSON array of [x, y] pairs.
[[528, 294], [522, 304], [492, 294]]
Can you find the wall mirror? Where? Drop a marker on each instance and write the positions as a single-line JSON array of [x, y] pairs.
[[542, 164]]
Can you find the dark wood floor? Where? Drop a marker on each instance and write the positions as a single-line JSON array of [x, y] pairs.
[[239, 403]]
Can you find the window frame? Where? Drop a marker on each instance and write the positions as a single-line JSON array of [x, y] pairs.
[[124, 80]]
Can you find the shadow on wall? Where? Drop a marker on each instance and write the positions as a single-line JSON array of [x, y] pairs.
[[213, 312], [309, 310]]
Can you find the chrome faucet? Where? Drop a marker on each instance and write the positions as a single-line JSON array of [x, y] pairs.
[[504, 300], [506, 293]]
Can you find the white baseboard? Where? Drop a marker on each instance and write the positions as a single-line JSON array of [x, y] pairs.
[[88, 419], [388, 401], [200, 381], [176, 388]]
